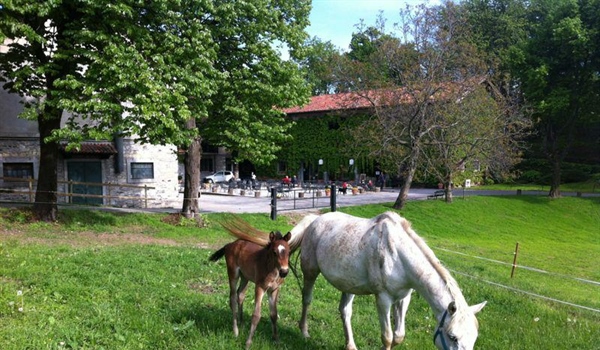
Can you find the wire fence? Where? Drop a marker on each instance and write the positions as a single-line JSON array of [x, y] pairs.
[[532, 269]]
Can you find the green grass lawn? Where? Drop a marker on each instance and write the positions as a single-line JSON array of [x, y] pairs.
[[97, 280], [590, 186]]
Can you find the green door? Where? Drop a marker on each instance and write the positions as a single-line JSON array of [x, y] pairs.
[[85, 172]]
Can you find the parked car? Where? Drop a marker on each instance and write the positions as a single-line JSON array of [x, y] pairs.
[[220, 176]]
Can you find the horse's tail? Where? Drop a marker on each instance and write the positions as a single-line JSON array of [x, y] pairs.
[[298, 231], [218, 254], [296, 241], [243, 230]]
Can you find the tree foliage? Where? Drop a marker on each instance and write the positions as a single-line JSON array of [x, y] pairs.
[[558, 68], [256, 79], [417, 84], [101, 61], [319, 64], [146, 69], [481, 133]]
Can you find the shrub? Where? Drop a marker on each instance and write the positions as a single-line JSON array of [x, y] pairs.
[[531, 176]]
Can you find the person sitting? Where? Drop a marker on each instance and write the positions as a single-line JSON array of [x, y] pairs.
[[344, 188], [294, 181], [286, 181], [370, 185]]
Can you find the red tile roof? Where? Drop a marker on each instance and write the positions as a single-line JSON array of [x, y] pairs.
[[370, 98], [91, 147], [350, 101], [323, 103]]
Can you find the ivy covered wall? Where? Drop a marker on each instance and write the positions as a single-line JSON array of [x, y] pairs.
[[327, 137]]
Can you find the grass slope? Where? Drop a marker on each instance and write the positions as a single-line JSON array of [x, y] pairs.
[[97, 280]]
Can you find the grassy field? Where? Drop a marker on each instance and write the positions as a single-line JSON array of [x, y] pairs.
[[97, 280], [590, 186]]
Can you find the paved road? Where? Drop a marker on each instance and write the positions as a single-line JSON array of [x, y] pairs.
[[216, 203], [221, 203], [210, 203]]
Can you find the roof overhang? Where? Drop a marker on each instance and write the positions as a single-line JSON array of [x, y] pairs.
[[100, 149]]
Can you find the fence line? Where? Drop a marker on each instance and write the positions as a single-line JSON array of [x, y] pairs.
[[528, 293], [68, 193], [522, 267]]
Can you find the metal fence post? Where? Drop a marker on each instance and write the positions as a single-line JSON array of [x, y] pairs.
[[273, 203], [333, 197]]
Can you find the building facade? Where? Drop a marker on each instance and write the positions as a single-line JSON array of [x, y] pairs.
[[118, 172]]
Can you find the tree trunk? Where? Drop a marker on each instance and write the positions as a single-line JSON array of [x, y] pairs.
[[555, 181], [45, 207], [554, 155], [448, 190], [410, 168], [191, 163]]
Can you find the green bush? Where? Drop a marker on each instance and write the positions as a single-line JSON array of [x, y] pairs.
[[531, 176]]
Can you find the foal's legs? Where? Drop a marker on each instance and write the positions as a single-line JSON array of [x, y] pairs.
[[346, 313], [258, 295], [273, 297], [233, 299], [241, 295]]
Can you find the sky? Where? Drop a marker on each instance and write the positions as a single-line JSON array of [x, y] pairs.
[[335, 20]]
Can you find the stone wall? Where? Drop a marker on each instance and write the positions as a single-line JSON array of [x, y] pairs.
[[165, 192]]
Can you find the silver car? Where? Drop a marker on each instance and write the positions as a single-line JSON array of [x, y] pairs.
[[220, 176]]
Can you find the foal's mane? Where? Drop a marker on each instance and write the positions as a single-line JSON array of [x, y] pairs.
[[243, 230], [450, 282]]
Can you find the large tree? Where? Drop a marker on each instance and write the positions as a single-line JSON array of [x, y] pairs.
[[255, 83], [433, 62], [559, 71], [166, 72], [482, 133], [319, 64]]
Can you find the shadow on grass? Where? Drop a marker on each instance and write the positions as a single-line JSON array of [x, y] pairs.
[[89, 217], [210, 320]]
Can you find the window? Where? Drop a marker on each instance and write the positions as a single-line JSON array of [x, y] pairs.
[[142, 170], [208, 148], [207, 164], [20, 170]]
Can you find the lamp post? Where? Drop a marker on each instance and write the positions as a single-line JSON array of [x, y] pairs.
[[319, 168], [351, 162]]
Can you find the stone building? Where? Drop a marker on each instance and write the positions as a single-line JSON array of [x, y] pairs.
[[118, 172]]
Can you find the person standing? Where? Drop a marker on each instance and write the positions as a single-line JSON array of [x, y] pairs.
[[381, 180]]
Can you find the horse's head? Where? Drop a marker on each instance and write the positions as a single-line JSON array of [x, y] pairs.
[[279, 247], [458, 327]]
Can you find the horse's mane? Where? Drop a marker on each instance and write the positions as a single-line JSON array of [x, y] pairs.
[[243, 230], [450, 282]]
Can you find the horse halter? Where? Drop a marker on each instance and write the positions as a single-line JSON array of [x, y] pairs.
[[439, 331]]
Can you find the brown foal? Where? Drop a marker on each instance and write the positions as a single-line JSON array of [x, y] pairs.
[[253, 258]]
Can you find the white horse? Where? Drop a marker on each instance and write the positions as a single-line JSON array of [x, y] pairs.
[[385, 257]]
